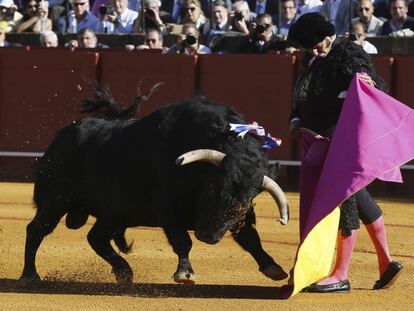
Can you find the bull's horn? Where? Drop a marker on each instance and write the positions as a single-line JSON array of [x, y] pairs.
[[273, 188], [206, 155]]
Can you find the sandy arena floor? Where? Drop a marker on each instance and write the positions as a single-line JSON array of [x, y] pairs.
[[227, 277]]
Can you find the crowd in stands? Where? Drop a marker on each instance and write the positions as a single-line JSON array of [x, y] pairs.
[[201, 26]]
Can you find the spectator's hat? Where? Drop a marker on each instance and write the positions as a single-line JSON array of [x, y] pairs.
[[6, 3], [310, 29]]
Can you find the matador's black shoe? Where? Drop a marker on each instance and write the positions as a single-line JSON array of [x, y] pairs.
[[340, 287], [389, 276]]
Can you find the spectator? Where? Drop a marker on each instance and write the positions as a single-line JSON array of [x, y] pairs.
[[86, 39], [241, 16], [153, 41], [80, 17], [192, 13], [189, 43], [307, 6], [116, 17], [220, 22], [373, 24], [261, 38], [287, 17], [48, 39], [400, 23], [153, 18], [35, 17], [337, 13], [359, 34], [9, 17]]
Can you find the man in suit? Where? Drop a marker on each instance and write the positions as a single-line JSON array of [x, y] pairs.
[[372, 23], [400, 21]]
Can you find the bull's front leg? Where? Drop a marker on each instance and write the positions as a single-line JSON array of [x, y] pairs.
[[181, 243], [248, 238]]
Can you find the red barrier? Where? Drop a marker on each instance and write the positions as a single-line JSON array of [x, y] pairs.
[[404, 76], [258, 86], [39, 92], [384, 67], [122, 71]]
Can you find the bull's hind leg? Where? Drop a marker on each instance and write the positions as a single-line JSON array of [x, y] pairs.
[[99, 237], [248, 238], [181, 243], [42, 225]]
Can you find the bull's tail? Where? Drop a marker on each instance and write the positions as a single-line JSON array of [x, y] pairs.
[[105, 103], [121, 243]]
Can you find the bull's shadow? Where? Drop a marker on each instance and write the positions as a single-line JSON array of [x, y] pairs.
[[141, 290]]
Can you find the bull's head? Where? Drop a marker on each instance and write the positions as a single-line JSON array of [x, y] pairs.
[[232, 197]]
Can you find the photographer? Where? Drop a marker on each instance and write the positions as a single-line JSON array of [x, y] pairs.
[[261, 38], [35, 17], [153, 41], [116, 17], [241, 17], [359, 35], [9, 17], [189, 43], [152, 18]]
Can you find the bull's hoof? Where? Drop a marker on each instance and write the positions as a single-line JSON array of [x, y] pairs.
[[274, 272], [123, 276], [31, 279], [184, 277]]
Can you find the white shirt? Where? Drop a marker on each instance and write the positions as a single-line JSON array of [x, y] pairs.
[[202, 49], [369, 47], [309, 6], [125, 23]]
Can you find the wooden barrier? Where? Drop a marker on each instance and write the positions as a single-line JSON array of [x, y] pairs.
[[39, 93], [122, 72], [258, 87], [403, 79]]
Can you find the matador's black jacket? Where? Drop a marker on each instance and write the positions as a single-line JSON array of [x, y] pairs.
[[318, 106], [317, 88]]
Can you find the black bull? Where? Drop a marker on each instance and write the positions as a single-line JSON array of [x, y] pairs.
[[129, 172]]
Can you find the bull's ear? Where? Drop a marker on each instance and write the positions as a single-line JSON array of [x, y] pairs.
[[274, 169]]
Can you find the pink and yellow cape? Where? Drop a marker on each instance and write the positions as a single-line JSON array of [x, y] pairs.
[[373, 138]]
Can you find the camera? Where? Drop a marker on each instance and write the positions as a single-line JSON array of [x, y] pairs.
[[190, 39], [106, 10], [238, 15], [8, 12], [150, 13], [260, 28]]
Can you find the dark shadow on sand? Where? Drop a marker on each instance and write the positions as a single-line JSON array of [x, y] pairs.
[[141, 290]]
